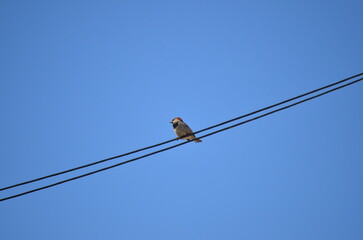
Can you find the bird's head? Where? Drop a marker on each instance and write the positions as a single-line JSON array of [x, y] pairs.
[[177, 119]]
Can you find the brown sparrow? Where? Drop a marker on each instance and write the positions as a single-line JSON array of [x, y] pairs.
[[182, 130]]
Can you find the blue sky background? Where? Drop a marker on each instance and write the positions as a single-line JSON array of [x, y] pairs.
[[85, 80]]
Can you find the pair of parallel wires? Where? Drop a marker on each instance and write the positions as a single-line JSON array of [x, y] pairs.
[[305, 97]]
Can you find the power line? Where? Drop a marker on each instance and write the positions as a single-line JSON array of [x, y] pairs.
[[177, 145], [280, 103], [171, 140]]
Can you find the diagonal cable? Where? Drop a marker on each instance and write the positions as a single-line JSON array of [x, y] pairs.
[[171, 140], [177, 145]]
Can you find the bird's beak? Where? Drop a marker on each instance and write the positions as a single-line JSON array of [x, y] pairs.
[[171, 122]]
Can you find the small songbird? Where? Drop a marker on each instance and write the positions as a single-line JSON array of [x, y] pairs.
[[182, 130]]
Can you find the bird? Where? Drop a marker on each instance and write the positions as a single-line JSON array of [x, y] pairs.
[[183, 131]]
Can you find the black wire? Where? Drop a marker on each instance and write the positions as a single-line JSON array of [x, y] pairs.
[[171, 140], [280, 103], [177, 145]]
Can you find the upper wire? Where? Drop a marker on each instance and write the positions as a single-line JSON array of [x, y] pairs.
[[174, 139], [177, 145]]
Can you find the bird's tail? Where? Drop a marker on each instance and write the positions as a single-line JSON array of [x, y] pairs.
[[197, 140]]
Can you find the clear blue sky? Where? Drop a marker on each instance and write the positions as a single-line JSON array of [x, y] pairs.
[[85, 80]]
